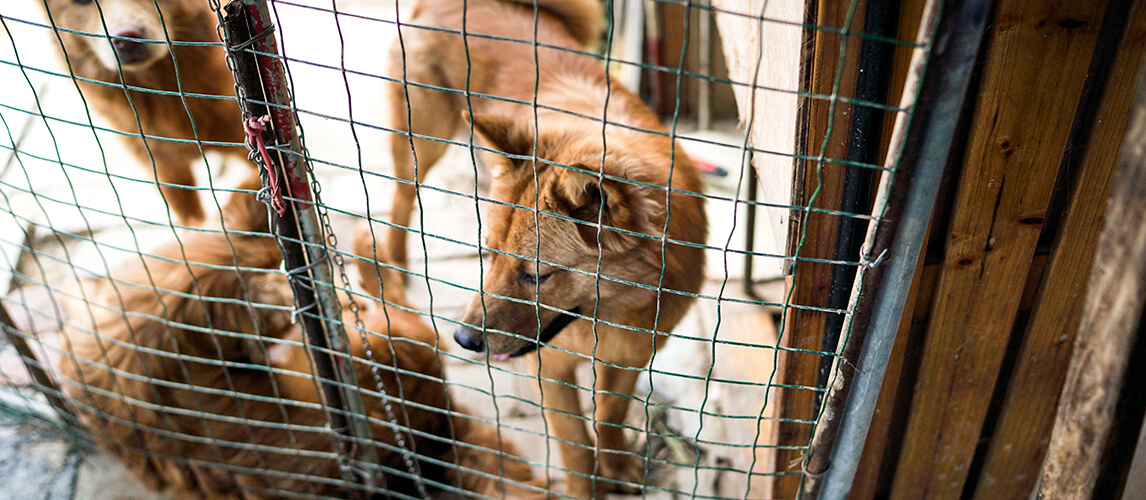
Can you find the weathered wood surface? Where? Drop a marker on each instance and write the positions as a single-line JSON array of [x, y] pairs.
[[819, 186], [769, 55], [1110, 323], [1017, 141], [1019, 442]]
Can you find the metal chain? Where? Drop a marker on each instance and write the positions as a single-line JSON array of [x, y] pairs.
[[412, 466]]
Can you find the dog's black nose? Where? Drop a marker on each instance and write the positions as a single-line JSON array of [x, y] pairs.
[[129, 51], [469, 338]]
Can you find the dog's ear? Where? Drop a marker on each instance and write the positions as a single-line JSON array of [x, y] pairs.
[[621, 207], [503, 133]]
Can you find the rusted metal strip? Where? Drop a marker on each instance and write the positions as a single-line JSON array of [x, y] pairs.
[[262, 89]]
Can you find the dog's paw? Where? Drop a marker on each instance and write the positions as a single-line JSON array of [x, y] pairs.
[[625, 473]]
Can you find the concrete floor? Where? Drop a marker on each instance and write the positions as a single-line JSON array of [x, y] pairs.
[[38, 461]]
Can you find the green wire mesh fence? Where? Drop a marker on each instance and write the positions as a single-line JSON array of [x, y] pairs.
[[586, 297]]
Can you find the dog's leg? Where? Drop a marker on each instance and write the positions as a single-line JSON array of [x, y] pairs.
[[422, 112], [614, 388], [562, 410], [173, 166], [377, 280]]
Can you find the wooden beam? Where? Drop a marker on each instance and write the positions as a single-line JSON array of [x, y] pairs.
[[1111, 319], [820, 186], [1033, 76], [1027, 413]]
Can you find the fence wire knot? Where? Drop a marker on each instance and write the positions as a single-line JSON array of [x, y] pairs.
[[865, 262], [808, 473], [272, 194], [244, 44], [293, 275]]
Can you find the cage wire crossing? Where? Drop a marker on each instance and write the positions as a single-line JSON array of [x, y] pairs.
[[585, 294]]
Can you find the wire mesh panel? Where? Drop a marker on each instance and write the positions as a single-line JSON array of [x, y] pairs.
[[548, 266]]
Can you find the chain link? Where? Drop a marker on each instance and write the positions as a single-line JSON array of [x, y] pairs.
[[412, 466]]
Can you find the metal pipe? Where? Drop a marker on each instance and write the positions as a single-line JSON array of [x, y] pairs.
[[940, 74], [704, 66], [750, 232], [262, 88], [863, 147]]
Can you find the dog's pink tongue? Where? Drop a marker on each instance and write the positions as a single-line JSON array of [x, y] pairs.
[[501, 357]]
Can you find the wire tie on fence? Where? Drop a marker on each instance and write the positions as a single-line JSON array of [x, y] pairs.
[[293, 276], [807, 473], [254, 128], [261, 35], [874, 263], [293, 273], [294, 314]]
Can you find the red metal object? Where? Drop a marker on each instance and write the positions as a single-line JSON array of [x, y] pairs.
[[274, 77]]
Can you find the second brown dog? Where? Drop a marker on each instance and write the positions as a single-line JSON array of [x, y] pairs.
[[154, 72], [183, 373]]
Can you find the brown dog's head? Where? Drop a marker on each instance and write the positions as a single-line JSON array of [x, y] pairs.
[[131, 34], [552, 230]]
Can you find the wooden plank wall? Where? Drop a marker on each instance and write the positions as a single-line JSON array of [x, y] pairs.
[[826, 128], [971, 391]]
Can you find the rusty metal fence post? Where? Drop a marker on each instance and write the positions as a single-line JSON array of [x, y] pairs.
[[261, 86]]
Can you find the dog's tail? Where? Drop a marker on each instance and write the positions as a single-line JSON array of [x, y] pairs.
[[378, 280], [583, 18]]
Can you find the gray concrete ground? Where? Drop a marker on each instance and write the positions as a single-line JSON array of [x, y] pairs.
[[46, 122]]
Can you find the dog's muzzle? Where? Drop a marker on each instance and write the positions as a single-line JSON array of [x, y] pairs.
[[474, 340], [129, 51], [469, 339]]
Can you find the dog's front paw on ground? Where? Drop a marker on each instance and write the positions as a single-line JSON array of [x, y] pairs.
[[624, 474]]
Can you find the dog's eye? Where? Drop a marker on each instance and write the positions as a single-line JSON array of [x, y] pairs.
[[82, 2], [533, 279]]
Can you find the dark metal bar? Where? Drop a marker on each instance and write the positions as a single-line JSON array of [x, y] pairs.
[[750, 232], [863, 147], [262, 88], [938, 82]]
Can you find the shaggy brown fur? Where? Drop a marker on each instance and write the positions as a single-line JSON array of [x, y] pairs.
[[495, 68], [129, 36], [155, 386], [618, 178]]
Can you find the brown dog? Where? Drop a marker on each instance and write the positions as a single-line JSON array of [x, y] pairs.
[[584, 232], [151, 52], [183, 375], [439, 59]]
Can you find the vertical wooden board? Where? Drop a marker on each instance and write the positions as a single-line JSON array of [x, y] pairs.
[[827, 133], [1105, 370], [1027, 414], [672, 21], [776, 45], [1032, 79], [910, 14]]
